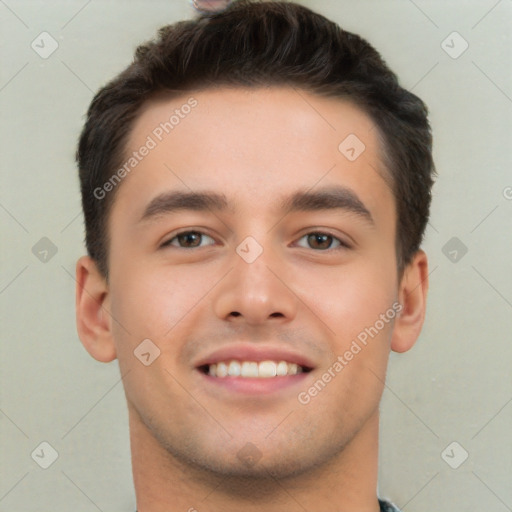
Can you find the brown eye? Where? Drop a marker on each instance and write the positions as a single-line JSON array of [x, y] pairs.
[[322, 241], [187, 240], [191, 239]]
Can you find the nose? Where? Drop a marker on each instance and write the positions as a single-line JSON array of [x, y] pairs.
[[256, 292]]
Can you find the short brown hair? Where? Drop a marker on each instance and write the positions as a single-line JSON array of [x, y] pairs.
[[253, 44]]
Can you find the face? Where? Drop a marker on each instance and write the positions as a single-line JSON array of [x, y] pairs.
[[253, 239]]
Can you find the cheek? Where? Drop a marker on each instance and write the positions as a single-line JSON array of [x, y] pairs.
[[153, 301], [352, 299], [357, 306]]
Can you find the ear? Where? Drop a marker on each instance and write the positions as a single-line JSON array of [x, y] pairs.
[[412, 295], [94, 323]]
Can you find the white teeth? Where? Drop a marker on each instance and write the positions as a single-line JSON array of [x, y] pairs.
[[293, 369], [222, 370], [282, 368], [252, 369], [249, 369], [234, 369], [267, 369]]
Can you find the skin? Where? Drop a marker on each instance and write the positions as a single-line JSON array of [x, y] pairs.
[[254, 146]]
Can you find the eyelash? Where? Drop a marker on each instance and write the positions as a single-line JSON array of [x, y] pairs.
[[342, 245]]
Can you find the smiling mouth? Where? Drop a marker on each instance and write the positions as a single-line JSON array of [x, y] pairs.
[[253, 369]]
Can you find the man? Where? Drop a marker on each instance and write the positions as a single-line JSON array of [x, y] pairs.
[[255, 185]]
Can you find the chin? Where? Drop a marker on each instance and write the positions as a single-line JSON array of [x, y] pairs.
[[245, 461]]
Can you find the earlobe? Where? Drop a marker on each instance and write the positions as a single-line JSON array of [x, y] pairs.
[[412, 295], [94, 323]]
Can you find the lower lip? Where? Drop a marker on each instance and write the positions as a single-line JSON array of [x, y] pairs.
[[255, 386]]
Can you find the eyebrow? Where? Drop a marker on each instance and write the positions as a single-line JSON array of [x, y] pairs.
[[170, 202], [332, 198]]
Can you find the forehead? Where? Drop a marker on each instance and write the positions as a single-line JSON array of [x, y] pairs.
[[255, 145]]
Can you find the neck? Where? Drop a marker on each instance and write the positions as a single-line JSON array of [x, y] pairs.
[[163, 484]]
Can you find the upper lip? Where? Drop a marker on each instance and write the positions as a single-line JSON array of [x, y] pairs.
[[245, 352]]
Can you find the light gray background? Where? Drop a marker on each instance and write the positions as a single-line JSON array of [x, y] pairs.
[[455, 385]]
